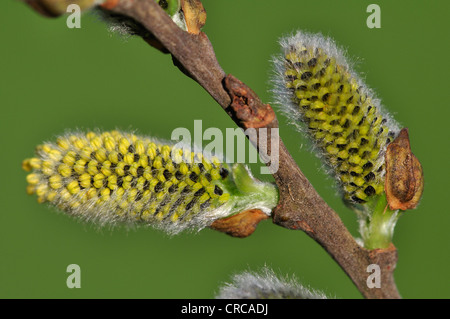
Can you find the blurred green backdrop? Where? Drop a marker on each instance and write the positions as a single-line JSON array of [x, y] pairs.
[[53, 79]]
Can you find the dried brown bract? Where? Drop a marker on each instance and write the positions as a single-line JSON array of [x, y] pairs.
[[404, 175]]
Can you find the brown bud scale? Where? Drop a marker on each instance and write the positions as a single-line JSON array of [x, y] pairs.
[[404, 175]]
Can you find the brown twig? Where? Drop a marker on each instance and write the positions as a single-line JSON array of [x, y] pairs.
[[300, 206]]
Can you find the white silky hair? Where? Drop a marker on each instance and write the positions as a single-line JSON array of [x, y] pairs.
[[265, 284]]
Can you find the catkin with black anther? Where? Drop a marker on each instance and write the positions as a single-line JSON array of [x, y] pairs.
[[319, 92], [116, 177]]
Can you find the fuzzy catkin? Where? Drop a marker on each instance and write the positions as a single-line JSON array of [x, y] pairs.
[[116, 177], [265, 284], [317, 89]]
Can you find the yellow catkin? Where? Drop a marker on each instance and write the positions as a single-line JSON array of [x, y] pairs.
[[343, 119], [115, 175]]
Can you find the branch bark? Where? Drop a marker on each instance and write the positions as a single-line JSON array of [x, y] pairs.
[[300, 206]]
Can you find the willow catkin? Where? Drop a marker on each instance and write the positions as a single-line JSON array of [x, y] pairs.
[[265, 284], [116, 177], [317, 89]]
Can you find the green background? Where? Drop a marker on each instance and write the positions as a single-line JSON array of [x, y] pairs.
[[54, 79]]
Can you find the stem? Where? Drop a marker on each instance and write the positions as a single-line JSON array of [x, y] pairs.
[[377, 225], [248, 192]]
